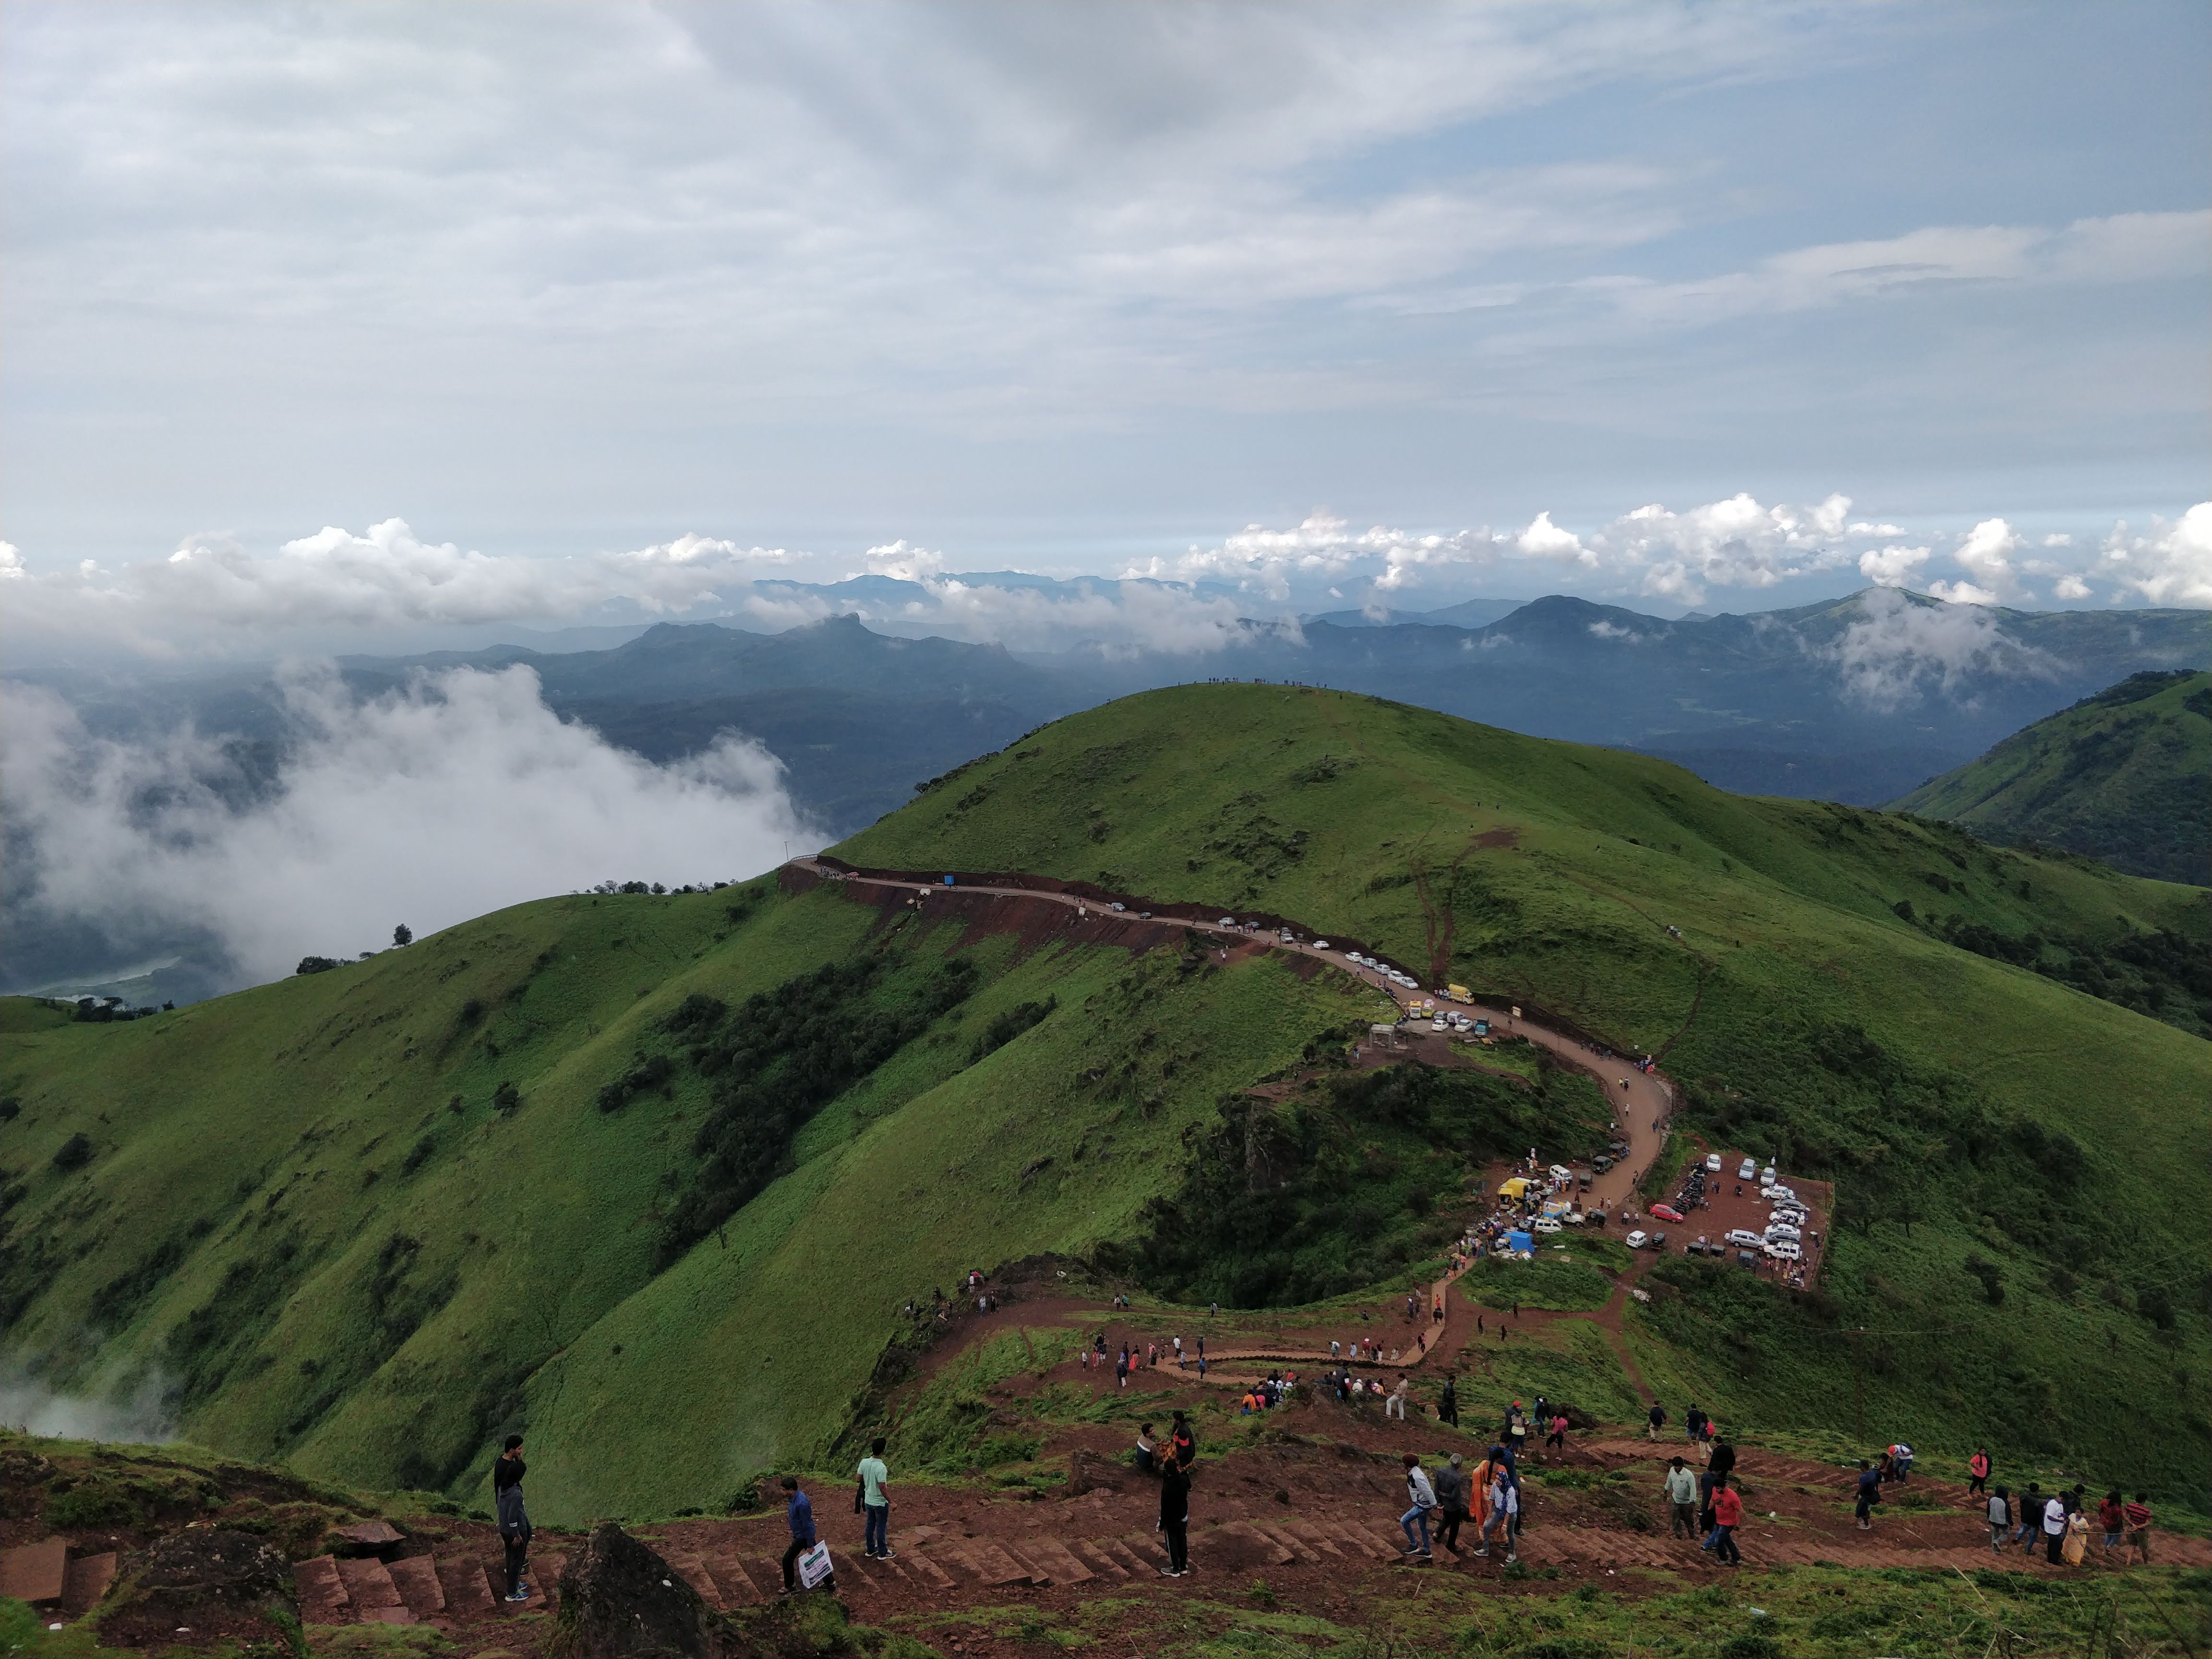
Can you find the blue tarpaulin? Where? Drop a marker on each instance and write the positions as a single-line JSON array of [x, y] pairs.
[[1520, 1241]]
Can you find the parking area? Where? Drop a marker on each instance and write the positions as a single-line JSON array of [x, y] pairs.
[[1726, 1203]]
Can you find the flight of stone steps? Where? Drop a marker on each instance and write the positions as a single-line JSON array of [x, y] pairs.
[[54, 1578]]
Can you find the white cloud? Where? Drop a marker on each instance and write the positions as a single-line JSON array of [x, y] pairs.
[[1985, 554], [384, 577], [458, 794], [2070, 587], [1891, 567], [1961, 593], [2173, 565], [1898, 650]]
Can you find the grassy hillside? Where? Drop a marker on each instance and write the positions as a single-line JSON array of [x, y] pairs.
[[1983, 1121], [2123, 776], [657, 1175], [368, 1221]]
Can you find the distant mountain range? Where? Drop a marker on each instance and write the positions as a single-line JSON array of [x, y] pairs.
[[1856, 700], [2122, 776]]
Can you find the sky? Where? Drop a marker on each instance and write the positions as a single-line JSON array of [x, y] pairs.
[[376, 317]]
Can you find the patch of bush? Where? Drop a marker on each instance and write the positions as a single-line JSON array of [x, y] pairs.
[[1004, 1027], [74, 1153], [315, 965]]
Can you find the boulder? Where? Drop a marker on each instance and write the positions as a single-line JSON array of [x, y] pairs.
[[200, 1588], [620, 1600]]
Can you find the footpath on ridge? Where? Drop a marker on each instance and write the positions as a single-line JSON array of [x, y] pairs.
[[1642, 1101]]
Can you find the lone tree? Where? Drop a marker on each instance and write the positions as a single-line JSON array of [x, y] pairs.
[[403, 934]]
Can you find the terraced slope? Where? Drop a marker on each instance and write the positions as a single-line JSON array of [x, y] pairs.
[[2124, 776]]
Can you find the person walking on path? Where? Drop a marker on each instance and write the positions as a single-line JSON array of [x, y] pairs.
[[799, 1515], [876, 1503], [1448, 1405], [1497, 1492], [1680, 1485], [1999, 1516], [1869, 1494], [1122, 1369], [2137, 1516], [2027, 1517], [1558, 1436], [1175, 1517], [1978, 1469], [1728, 1516], [1422, 1497], [1451, 1502], [507, 1473], [2054, 1526], [1655, 1422], [1395, 1405]]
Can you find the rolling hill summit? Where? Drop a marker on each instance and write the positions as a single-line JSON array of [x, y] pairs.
[[1245, 1168]]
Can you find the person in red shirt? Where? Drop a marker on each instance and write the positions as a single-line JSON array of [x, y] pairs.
[[2112, 1519], [2137, 1516], [1728, 1516], [1977, 1466]]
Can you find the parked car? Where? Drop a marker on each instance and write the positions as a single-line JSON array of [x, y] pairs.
[[1666, 1213], [1547, 1224], [1318, 945], [1749, 1240], [1777, 1195], [1713, 1163], [1768, 1176], [1573, 1218], [1782, 1250], [1790, 1213], [1658, 1241], [1601, 1163], [1746, 1259], [1118, 905], [1781, 1229], [1746, 1171], [1635, 1240]]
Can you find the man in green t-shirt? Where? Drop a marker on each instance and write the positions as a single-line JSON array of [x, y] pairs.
[[876, 1502]]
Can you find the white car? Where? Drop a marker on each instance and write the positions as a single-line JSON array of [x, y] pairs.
[[1746, 1171], [1321, 945], [1745, 1241], [1790, 1213], [1782, 1250], [1547, 1224], [1780, 1230], [1636, 1240], [1713, 1163], [1437, 1024], [1777, 1194]]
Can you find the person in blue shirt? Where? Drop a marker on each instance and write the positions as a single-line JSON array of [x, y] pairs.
[[800, 1514]]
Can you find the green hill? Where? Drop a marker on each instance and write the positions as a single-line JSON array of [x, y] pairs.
[[2124, 776], [657, 1175]]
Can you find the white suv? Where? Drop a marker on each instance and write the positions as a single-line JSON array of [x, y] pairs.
[[1745, 1241], [1782, 1250], [1746, 1171]]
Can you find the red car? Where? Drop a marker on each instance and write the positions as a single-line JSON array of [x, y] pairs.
[[1664, 1212]]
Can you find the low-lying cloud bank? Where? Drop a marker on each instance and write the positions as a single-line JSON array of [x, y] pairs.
[[458, 794], [211, 594], [140, 1418]]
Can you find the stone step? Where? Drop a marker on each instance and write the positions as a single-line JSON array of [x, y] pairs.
[[923, 1568], [468, 1590], [1271, 1551], [87, 1581], [35, 1572], [730, 1576], [546, 1580], [370, 1591], [1057, 1563], [1119, 1549], [1100, 1557], [416, 1578], [1315, 1540], [991, 1566], [322, 1598], [1284, 1539]]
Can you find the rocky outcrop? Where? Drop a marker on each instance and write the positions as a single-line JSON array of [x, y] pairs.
[[619, 1600], [199, 1588]]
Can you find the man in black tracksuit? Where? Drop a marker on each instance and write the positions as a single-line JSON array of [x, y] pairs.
[[1175, 1518], [507, 1473]]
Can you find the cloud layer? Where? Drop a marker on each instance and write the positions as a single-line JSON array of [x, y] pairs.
[[213, 595], [457, 795]]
